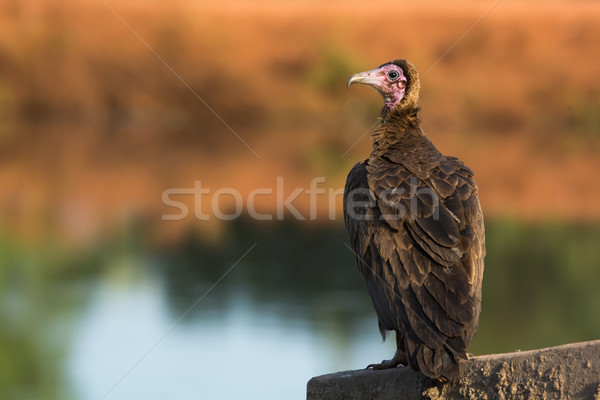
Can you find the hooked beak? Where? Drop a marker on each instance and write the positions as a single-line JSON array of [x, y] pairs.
[[370, 78]]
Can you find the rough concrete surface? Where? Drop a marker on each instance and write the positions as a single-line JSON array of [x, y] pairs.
[[571, 371]]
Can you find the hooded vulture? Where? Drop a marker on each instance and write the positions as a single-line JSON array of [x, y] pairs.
[[416, 231]]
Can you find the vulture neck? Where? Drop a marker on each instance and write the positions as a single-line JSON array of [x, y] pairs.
[[400, 125], [400, 139]]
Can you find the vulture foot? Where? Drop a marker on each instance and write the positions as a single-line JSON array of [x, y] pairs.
[[400, 358]]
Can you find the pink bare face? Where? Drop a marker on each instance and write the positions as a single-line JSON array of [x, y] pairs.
[[388, 79]]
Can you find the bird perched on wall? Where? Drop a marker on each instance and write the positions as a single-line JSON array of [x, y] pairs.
[[416, 230]]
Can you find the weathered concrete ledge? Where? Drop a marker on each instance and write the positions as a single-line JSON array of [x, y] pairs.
[[570, 371]]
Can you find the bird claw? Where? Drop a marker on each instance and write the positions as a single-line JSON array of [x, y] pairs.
[[400, 358], [375, 367], [385, 364]]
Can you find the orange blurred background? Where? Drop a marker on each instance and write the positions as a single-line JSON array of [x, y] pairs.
[[108, 106], [94, 126]]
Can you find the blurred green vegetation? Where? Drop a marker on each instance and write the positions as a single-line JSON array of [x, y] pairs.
[[33, 338], [540, 288], [44, 291], [585, 111], [333, 62]]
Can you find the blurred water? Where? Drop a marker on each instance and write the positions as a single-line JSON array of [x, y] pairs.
[[129, 321], [241, 351]]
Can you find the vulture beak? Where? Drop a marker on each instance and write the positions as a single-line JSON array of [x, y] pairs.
[[371, 78]]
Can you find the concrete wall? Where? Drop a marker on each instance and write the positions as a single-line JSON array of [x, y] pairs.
[[570, 371]]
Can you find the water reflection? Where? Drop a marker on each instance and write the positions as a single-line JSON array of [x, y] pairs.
[[280, 317], [294, 307]]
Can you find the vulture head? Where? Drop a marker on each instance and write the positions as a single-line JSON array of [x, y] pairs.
[[397, 81]]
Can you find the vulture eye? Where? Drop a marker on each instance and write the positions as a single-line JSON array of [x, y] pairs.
[[393, 75]]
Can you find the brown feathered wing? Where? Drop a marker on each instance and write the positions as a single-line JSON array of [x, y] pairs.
[[419, 244]]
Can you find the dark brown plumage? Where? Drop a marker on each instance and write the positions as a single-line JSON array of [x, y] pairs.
[[416, 229]]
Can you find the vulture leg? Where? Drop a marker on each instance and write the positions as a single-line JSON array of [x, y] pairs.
[[400, 358]]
